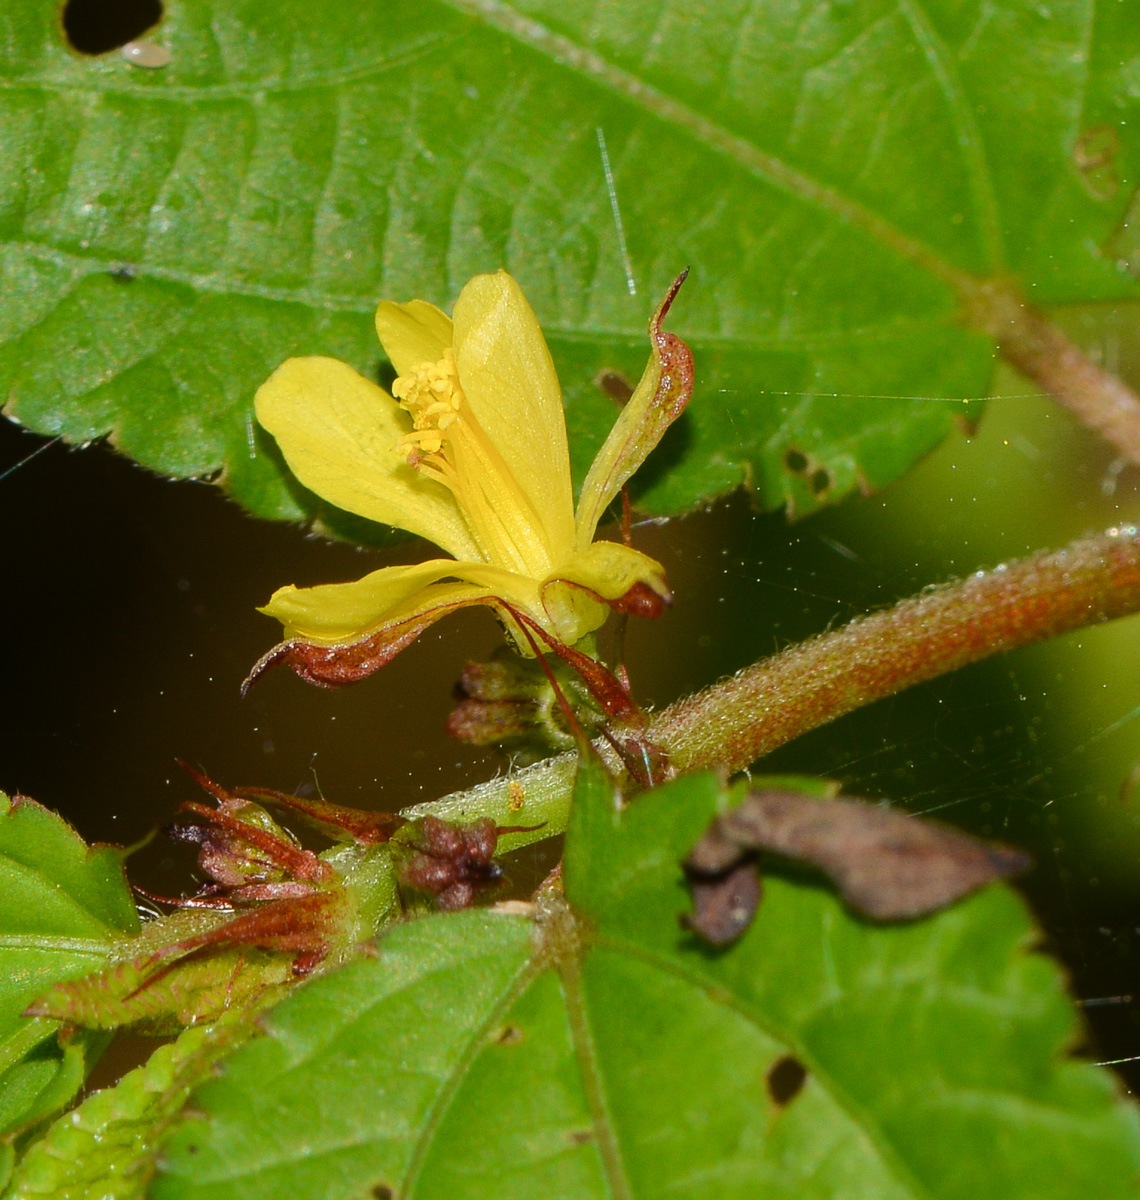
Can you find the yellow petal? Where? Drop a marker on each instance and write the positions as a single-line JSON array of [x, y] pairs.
[[609, 570], [412, 333], [344, 612], [658, 400], [352, 659], [604, 571], [339, 433], [508, 377]]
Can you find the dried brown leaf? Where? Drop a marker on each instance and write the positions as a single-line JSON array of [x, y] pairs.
[[885, 864]]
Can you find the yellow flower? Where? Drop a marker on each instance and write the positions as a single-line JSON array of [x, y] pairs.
[[469, 452]]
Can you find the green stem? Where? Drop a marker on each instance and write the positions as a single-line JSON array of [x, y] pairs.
[[736, 721]]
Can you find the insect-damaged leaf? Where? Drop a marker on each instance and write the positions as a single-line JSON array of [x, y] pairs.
[[885, 863], [595, 1050], [169, 237]]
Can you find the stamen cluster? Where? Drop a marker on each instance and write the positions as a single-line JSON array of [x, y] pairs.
[[433, 395]]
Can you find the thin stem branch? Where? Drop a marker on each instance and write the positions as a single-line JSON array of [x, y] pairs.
[[769, 704], [1029, 341]]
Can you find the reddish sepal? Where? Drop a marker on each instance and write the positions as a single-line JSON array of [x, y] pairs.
[[641, 601], [334, 820], [338, 666], [453, 862]]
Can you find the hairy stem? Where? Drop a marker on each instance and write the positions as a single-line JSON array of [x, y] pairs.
[[1029, 341], [769, 704]]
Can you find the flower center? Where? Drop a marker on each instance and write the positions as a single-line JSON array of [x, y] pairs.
[[433, 396], [448, 444]]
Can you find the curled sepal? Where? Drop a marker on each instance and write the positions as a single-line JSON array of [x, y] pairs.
[[337, 666], [657, 401], [885, 864], [335, 821], [606, 573]]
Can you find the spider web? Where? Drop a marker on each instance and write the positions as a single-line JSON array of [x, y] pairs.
[[135, 602]]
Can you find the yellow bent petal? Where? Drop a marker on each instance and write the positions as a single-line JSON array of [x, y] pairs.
[[609, 570], [510, 383], [335, 613], [615, 464], [577, 596], [412, 333], [339, 433]]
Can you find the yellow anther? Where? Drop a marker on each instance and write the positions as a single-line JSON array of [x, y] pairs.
[[433, 396]]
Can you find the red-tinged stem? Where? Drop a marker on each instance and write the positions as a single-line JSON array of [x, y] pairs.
[[739, 720], [1029, 341]]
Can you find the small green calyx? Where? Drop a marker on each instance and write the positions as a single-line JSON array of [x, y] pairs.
[[510, 702]]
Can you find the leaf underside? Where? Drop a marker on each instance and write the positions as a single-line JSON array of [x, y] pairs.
[[168, 237], [599, 1052], [106, 1147]]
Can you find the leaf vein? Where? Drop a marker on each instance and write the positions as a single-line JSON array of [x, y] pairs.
[[114, 86], [742, 152], [341, 302], [858, 1115], [528, 970], [585, 1053], [969, 138]]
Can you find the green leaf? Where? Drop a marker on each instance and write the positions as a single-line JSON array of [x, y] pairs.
[[61, 905], [168, 237], [162, 998], [597, 1050], [106, 1147]]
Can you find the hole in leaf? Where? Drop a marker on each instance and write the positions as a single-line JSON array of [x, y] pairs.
[[615, 385], [796, 461], [97, 26], [786, 1080], [381, 1191], [509, 1035], [820, 480]]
